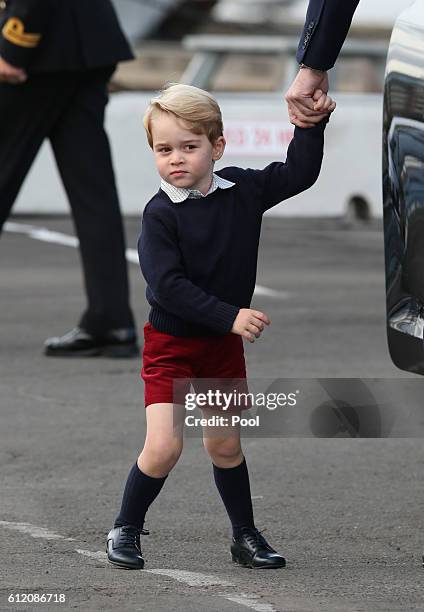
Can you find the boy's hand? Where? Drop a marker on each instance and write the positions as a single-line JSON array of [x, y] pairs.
[[250, 323], [323, 102]]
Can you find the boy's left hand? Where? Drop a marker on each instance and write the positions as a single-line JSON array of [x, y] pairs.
[[323, 102]]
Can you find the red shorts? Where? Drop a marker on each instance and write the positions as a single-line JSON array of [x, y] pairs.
[[167, 358]]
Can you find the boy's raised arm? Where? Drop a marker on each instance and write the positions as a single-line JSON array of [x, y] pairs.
[[281, 180], [160, 262]]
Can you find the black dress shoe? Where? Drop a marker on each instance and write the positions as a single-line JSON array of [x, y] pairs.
[[80, 343], [250, 549], [123, 547]]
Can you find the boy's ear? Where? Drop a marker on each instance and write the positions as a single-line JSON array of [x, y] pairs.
[[218, 148]]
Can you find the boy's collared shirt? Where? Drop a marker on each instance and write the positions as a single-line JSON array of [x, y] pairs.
[[179, 194]]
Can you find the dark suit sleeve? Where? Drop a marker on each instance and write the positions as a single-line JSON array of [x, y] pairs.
[[22, 30], [326, 27]]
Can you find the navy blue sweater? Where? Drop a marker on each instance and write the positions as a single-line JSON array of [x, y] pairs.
[[199, 257]]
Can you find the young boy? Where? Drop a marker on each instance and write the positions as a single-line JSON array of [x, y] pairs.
[[198, 252]]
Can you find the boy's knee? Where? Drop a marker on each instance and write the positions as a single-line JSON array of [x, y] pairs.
[[223, 450], [161, 456]]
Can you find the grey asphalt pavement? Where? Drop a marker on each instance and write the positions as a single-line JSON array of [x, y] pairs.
[[347, 513]]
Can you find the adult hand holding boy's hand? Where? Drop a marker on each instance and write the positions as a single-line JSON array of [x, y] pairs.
[[299, 97], [250, 323]]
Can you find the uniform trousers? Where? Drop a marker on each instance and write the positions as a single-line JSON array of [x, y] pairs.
[[68, 108]]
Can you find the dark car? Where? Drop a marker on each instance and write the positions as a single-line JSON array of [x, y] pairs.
[[403, 189]]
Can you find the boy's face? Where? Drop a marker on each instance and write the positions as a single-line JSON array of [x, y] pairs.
[[183, 159]]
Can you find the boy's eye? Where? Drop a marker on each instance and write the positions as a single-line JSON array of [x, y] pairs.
[[167, 149]]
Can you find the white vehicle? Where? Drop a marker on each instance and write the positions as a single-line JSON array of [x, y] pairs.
[[249, 75]]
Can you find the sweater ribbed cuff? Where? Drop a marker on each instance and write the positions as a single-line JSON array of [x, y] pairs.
[[315, 131], [223, 318]]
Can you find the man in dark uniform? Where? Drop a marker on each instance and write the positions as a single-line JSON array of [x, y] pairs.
[[326, 27], [56, 58]]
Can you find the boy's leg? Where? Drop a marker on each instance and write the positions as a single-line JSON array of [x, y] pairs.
[[161, 451], [248, 548], [162, 448], [230, 470], [222, 368]]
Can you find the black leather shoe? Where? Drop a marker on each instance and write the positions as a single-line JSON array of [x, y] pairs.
[[123, 547], [80, 343], [250, 549]]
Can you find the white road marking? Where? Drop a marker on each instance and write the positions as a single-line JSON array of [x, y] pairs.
[[34, 531], [42, 233], [197, 579], [250, 601], [98, 556], [45, 235], [132, 256], [282, 295], [193, 579]]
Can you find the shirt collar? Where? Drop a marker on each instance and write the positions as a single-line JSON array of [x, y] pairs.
[[179, 194]]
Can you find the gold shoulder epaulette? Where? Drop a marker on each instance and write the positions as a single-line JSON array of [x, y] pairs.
[[14, 31]]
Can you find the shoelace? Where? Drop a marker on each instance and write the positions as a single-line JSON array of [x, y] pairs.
[[131, 535], [254, 537]]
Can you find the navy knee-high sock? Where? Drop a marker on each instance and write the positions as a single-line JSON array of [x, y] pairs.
[[140, 491], [234, 487]]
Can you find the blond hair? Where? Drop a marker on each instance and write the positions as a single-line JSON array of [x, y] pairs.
[[196, 107]]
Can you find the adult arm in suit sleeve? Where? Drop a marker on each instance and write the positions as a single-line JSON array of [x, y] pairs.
[[326, 27], [22, 30], [325, 30]]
